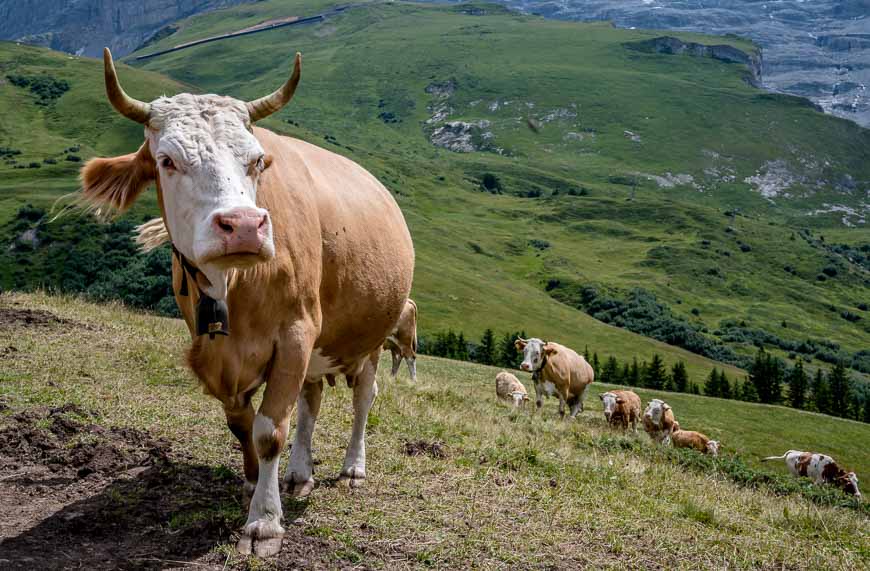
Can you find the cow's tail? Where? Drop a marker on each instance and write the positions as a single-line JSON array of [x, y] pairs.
[[414, 333], [769, 458], [151, 235]]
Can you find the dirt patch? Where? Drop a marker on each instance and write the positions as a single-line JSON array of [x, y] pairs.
[[75, 494], [10, 316], [434, 449]]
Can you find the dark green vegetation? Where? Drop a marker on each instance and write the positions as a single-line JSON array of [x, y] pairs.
[[598, 166], [451, 472]]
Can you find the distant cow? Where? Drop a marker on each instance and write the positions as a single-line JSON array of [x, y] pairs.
[[621, 408], [556, 370], [820, 468], [658, 420], [509, 388], [402, 342], [692, 439]]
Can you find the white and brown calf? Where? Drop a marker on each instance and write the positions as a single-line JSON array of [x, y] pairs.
[[621, 408], [402, 342], [695, 440], [820, 468], [509, 388], [658, 421]]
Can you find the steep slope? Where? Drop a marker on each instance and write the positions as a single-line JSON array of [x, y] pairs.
[[633, 173]]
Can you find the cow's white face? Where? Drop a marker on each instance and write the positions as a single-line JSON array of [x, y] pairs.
[[713, 447], [655, 410], [519, 398], [609, 401], [208, 165], [533, 355]]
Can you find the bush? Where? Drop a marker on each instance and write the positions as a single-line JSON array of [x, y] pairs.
[[830, 271], [34, 165], [73, 158], [539, 244], [491, 183], [46, 88]]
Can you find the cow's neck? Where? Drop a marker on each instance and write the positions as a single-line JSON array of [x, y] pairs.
[[538, 373], [211, 316]]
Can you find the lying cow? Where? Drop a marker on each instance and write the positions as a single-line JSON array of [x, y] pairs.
[[621, 408], [402, 342], [658, 421], [556, 370], [289, 263], [509, 388], [820, 468], [691, 439]]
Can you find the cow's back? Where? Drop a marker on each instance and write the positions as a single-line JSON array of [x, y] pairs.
[[343, 236]]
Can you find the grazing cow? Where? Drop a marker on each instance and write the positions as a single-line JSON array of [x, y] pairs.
[[820, 468], [402, 343], [621, 408], [289, 263], [658, 421], [692, 439], [557, 370], [509, 388]]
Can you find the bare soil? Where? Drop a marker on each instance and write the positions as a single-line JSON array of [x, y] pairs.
[[77, 495]]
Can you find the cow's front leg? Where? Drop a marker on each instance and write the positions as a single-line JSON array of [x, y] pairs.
[[365, 389], [263, 532], [561, 407], [299, 478], [240, 420], [539, 396]]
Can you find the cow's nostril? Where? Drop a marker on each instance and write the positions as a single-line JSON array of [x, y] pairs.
[[225, 227], [262, 221]]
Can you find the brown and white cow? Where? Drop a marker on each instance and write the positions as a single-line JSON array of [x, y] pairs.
[[658, 421], [691, 439], [820, 468], [402, 342], [509, 388], [556, 370], [307, 253], [621, 408]]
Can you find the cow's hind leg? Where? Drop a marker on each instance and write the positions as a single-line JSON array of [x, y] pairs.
[[397, 361], [299, 478], [365, 389], [412, 367], [576, 405]]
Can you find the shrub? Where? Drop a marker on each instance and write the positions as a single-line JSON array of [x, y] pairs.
[[830, 271], [491, 183], [73, 158]]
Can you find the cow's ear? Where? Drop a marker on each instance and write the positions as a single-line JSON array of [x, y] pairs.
[[601, 395], [620, 400], [519, 344], [666, 406], [115, 183], [549, 349]]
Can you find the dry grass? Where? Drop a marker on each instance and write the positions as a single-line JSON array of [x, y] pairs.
[[514, 490]]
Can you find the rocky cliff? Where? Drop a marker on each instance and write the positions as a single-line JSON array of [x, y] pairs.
[[84, 26], [818, 49]]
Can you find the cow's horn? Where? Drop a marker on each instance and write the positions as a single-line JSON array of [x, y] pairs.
[[130, 108], [265, 106]]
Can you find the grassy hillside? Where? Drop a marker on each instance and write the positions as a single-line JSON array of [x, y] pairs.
[[498, 488], [378, 82]]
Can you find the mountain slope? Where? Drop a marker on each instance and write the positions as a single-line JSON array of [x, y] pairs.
[[598, 194]]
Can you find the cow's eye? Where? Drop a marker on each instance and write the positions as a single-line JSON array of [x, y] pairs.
[[167, 163]]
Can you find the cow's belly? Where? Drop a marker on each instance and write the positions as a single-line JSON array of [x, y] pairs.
[[320, 364]]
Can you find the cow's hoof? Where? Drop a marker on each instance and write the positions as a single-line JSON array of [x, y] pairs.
[[300, 488], [262, 538], [353, 477]]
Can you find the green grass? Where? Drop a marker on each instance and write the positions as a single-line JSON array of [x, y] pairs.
[[566, 494], [476, 267]]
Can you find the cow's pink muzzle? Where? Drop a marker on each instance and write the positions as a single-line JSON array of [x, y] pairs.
[[242, 230]]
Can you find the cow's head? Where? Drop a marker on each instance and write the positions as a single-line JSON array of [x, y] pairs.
[[533, 351], [848, 481], [201, 153], [713, 447], [610, 400], [655, 411]]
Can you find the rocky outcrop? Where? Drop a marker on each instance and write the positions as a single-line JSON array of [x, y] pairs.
[[84, 27], [721, 52]]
